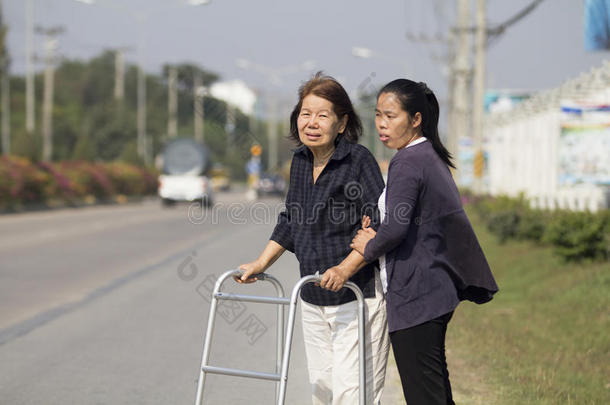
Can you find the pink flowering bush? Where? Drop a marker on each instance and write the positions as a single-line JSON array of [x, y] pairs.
[[23, 182], [88, 179], [126, 178]]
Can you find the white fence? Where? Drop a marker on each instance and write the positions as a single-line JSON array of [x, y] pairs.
[[523, 146]]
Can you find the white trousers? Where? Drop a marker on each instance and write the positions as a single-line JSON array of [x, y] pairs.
[[331, 347]]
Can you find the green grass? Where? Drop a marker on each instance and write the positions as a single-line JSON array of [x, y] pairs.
[[545, 337]]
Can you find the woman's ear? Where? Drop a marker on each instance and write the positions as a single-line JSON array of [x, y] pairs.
[[343, 123], [417, 120]]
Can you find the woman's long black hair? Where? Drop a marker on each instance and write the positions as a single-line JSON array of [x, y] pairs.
[[417, 97]]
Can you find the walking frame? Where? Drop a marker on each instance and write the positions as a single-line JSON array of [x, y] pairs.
[[283, 347]]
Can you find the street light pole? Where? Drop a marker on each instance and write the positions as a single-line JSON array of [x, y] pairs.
[[172, 102], [141, 108], [49, 88], [199, 115], [119, 75], [5, 89], [273, 135], [367, 53], [6, 109]]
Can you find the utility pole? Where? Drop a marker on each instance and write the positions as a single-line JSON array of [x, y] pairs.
[[141, 114], [272, 133], [29, 68], [284, 113], [230, 127], [6, 112], [451, 114], [119, 75], [49, 78], [479, 93], [198, 93], [172, 102], [4, 82], [460, 72]]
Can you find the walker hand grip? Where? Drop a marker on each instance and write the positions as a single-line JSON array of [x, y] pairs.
[[258, 277]]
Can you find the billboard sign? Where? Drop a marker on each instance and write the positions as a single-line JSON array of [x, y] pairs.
[[597, 25], [584, 144]]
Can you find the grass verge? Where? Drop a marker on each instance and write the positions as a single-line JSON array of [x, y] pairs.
[[545, 338]]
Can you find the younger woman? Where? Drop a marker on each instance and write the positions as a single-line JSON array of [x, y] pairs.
[[429, 255]]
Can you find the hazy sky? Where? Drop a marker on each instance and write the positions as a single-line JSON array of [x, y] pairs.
[[539, 52]]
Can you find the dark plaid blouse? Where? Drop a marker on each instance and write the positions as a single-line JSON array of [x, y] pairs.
[[321, 219]]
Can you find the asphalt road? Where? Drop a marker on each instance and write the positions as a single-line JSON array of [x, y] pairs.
[[108, 305]]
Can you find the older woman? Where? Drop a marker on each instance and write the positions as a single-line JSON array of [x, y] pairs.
[[333, 181]]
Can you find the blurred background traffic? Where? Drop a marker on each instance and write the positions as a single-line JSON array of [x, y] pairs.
[[89, 83]]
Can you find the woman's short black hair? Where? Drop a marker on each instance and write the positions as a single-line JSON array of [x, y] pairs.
[[329, 89]]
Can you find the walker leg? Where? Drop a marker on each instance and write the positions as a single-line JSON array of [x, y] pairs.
[[290, 331], [206, 350], [286, 359], [280, 348]]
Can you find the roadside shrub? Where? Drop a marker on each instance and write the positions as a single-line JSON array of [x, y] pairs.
[[61, 187], [574, 235], [100, 185], [579, 235], [150, 178], [502, 215], [88, 179], [503, 224], [23, 182], [126, 178], [532, 224]]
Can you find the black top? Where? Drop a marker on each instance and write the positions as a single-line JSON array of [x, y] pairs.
[[321, 219], [433, 258]]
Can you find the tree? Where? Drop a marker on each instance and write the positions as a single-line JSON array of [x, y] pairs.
[[91, 125], [186, 75]]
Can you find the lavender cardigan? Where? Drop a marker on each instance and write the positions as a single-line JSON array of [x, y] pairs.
[[433, 257]]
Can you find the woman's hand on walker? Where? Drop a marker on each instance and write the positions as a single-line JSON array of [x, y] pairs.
[[249, 271], [361, 239], [334, 278]]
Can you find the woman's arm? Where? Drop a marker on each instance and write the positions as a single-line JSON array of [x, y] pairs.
[[270, 254], [404, 182], [371, 185], [334, 277]]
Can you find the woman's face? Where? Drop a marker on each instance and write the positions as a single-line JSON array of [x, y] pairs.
[[318, 124], [394, 125]]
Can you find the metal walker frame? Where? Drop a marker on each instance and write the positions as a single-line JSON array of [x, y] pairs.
[[283, 347]]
